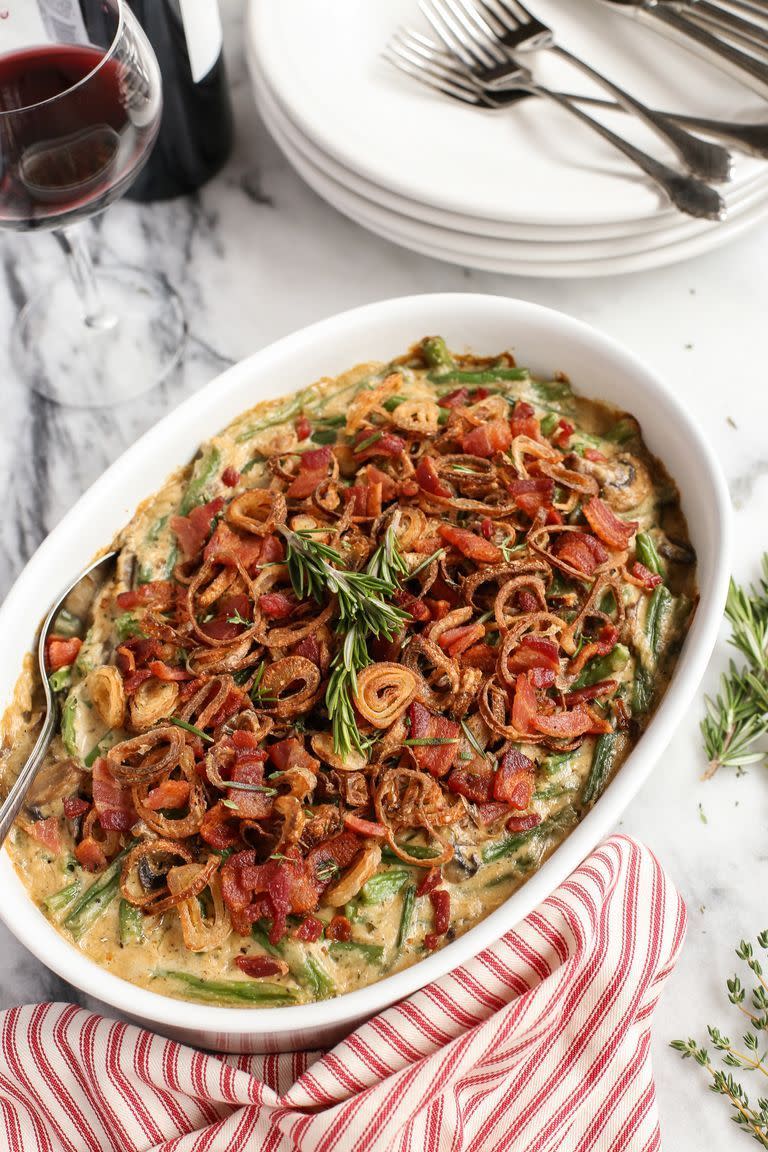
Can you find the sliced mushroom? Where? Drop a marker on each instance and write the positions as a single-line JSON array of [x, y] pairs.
[[625, 481]]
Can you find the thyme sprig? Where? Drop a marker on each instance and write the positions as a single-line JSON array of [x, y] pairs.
[[737, 718], [751, 1119], [364, 611]]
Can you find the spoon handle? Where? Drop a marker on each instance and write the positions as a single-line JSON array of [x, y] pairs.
[[14, 801]]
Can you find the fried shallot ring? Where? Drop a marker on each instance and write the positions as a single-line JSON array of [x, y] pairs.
[[383, 693], [323, 747], [258, 511], [283, 677], [152, 902], [105, 688], [147, 757], [153, 700], [416, 417], [201, 933], [169, 827]]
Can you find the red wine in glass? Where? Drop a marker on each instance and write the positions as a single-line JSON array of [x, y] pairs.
[[72, 146]]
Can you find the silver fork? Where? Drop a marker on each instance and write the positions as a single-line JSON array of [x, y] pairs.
[[486, 34], [417, 55]]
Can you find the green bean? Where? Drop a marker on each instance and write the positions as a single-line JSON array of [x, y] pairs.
[[89, 906], [231, 991], [384, 886], [126, 625], [511, 843], [68, 734], [374, 953], [259, 934], [106, 742], [552, 791], [204, 470], [418, 851], [601, 667], [552, 389], [602, 761], [555, 762], [436, 354], [131, 920], [406, 916], [622, 431], [317, 979], [659, 606], [393, 402], [549, 423], [647, 554], [67, 624], [324, 436], [476, 378], [60, 679], [58, 901]]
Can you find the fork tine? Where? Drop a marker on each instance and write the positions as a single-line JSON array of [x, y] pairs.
[[419, 70], [509, 13], [445, 25], [423, 54], [482, 34]]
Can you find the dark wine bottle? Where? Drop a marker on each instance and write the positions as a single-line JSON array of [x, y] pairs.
[[196, 130]]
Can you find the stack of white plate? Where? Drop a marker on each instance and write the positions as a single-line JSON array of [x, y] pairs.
[[527, 191]]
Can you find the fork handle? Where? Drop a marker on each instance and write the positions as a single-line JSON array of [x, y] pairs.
[[688, 194], [739, 64], [700, 157], [750, 138], [754, 37]]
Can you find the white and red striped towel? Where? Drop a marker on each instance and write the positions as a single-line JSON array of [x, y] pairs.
[[540, 1043]]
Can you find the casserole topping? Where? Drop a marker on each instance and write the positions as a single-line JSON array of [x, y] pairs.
[[361, 667]]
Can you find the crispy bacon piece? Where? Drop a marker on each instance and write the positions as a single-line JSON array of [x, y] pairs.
[[456, 399], [220, 828], [532, 494], [648, 579], [278, 605], [457, 640], [495, 436], [225, 625], [432, 880], [564, 725], [163, 671], [339, 929], [471, 545], [563, 433], [606, 524], [475, 782], [434, 758], [523, 704], [291, 753], [440, 899], [480, 656], [523, 823], [193, 530], [582, 551], [309, 648], [608, 638], [534, 652], [313, 469], [229, 547], [591, 692], [366, 500], [524, 421], [514, 780], [260, 966], [167, 794], [428, 478], [415, 606], [364, 827], [75, 806], [157, 594], [230, 477], [385, 445], [250, 805], [45, 832], [112, 802], [61, 651], [90, 855], [303, 427], [309, 930]]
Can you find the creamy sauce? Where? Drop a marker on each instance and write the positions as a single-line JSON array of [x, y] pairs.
[[149, 549]]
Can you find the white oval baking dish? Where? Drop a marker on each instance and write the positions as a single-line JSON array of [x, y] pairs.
[[545, 341]]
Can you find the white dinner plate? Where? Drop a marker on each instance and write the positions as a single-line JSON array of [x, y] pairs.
[[666, 218], [535, 166], [524, 259], [308, 163]]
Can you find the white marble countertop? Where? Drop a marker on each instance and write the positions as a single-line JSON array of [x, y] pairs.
[[258, 255]]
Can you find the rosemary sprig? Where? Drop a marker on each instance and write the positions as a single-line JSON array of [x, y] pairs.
[[364, 611], [737, 718], [752, 1120]]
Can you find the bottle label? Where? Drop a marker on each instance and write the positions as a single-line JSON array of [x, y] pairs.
[[24, 23], [202, 28]]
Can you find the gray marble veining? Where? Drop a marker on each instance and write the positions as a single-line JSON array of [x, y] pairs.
[[257, 255]]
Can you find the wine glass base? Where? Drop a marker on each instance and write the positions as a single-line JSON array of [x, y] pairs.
[[133, 345]]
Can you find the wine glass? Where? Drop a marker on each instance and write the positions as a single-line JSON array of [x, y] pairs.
[[80, 105]]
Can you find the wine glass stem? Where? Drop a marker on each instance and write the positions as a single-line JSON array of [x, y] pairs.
[[84, 277]]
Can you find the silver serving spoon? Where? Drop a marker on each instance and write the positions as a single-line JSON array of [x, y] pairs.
[[14, 801]]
